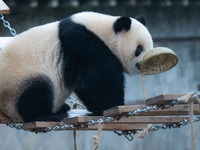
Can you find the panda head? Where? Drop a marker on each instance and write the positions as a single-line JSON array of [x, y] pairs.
[[126, 37], [133, 41]]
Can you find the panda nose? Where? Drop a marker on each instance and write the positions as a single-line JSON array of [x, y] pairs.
[[138, 65]]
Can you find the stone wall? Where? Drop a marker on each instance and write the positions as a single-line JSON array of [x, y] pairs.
[[176, 27]]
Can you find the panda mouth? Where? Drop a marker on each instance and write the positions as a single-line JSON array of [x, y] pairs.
[[138, 65]]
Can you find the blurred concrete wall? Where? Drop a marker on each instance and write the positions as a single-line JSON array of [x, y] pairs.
[[176, 27]]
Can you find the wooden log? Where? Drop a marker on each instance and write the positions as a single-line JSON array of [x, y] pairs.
[[162, 99], [4, 9], [107, 127], [175, 110], [128, 120]]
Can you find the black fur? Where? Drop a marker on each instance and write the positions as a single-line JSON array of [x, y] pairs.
[[35, 102], [64, 108], [90, 68], [122, 23], [141, 19], [138, 50]]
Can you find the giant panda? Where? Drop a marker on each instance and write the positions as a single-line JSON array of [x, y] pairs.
[[86, 53]]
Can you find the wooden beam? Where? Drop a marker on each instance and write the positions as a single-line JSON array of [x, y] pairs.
[[4, 9], [175, 110], [161, 99], [149, 120], [40, 125], [107, 127], [127, 120], [80, 119]]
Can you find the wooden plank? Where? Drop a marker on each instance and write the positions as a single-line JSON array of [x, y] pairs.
[[128, 120], [107, 127], [4, 41], [161, 99], [148, 120], [175, 110], [4, 9], [4, 118], [80, 119], [39, 125]]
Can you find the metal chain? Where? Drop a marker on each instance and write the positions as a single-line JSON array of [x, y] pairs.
[[64, 126], [17, 126], [174, 125], [184, 122], [148, 108], [176, 101], [7, 25], [127, 134], [78, 126]]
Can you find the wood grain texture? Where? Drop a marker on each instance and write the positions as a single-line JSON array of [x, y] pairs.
[[175, 110], [161, 99], [107, 127], [128, 120], [80, 119], [4, 9]]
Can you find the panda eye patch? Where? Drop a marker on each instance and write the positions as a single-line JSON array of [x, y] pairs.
[[138, 50]]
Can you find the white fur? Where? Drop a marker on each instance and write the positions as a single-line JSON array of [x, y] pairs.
[[40, 45], [122, 45]]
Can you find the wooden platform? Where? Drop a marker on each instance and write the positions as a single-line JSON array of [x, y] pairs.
[[173, 114], [128, 120], [175, 110], [106, 127], [162, 99], [4, 9]]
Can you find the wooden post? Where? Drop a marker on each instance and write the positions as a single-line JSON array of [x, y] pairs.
[[4, 9]]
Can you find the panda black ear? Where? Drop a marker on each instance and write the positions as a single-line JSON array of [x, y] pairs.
[[141, 19], [122, 23]]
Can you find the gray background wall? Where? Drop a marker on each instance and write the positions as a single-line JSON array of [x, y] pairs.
[[176, 27]]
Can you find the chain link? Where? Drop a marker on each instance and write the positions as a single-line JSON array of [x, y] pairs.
[[148, 109], [17, 126], [174, 125], [64, 126], [127, 134], [7, 25]]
